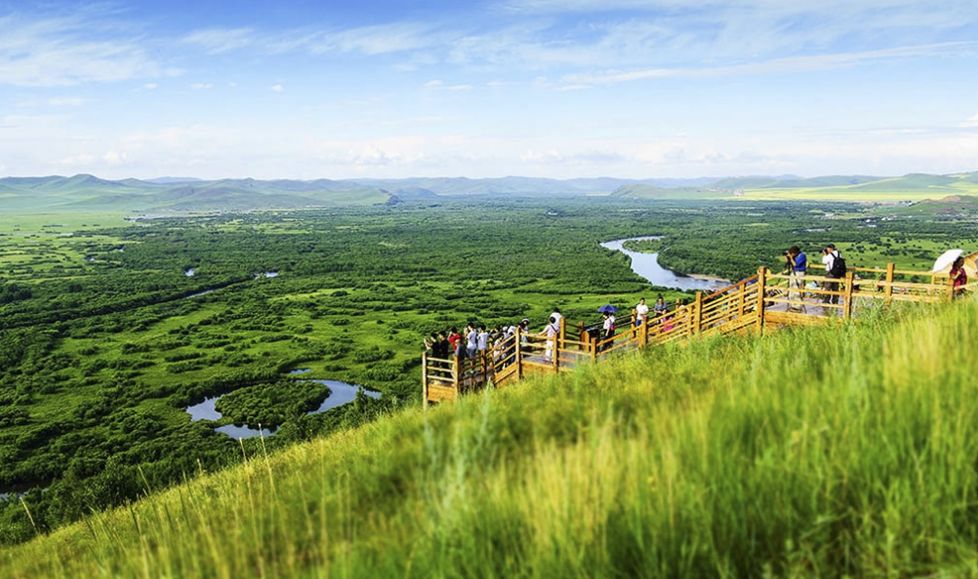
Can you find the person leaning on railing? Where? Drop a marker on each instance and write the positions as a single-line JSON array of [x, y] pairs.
[[796, 262]]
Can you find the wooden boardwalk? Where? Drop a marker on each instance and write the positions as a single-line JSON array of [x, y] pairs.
[[757, 304]]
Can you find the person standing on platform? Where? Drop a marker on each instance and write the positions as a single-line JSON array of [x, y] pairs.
[[641, 313], [797, 264], [835, 268], [608, 330], [660, 306], [959, 277], [552, 331]]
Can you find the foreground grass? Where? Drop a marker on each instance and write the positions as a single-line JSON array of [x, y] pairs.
[[810, 452]]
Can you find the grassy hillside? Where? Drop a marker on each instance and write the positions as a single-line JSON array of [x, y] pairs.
[[913, 187], [87, 193], [809, 452], [642, 191]]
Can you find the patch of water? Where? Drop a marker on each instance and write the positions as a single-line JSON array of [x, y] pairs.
[[242, 432], [205, 410], [340, 393], [647, 266]]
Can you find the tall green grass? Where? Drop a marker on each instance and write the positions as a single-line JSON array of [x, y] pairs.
[[830, 451]]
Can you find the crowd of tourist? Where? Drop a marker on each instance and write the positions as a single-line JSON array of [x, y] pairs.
[[475, 340]]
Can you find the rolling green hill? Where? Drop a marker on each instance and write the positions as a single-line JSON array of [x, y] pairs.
[[642, 191], [169, 195], [89, 193], [810, 452]]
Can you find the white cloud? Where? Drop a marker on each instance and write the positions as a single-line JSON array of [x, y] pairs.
[[278, 88], [115, 157], [971, 123], [775, 66], [220, 40], [66, 51], [151, 86], [202, 86], [66, 101], [377, 39], [440, 85]]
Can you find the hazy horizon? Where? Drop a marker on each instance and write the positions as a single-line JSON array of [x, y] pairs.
[[416, 177], [536, 88]]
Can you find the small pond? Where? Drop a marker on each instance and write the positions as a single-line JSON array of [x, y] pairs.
[[340, 393], [190, 272]]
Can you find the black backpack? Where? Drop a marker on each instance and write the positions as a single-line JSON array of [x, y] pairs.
[[839, 268]]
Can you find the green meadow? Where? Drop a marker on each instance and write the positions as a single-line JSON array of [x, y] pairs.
[[105, 339], [817, 452], [888, 190]]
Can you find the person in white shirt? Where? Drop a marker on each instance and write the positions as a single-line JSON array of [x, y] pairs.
[[471, 341], [551, 332], [641, 313], [829, 255], [556, 315], [483, 339], [608, 330]]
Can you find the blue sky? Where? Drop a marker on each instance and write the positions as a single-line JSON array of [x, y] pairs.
[[554, 88]]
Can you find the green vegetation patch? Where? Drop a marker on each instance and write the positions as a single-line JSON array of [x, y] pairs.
[[643, 245], [272, 404]]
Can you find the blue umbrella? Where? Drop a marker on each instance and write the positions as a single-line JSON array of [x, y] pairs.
[[607, 309]]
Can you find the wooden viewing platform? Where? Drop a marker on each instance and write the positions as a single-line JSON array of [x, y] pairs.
[[753, 305]]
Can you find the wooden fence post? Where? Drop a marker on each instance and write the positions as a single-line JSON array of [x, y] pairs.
[[741, 298], [888, 290], [761, 291], [850, 286], [594, 350], [643, 334], [424, 378], [697, 312], [457, 373], [555, 352], [950, 288], [519, 352]]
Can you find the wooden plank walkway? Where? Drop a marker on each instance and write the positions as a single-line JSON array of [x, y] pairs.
[[765, 301]]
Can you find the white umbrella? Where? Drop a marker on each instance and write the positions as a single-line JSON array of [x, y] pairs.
[[946, 260]]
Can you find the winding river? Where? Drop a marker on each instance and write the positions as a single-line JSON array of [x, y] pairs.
[[340, 393], [647, 266]]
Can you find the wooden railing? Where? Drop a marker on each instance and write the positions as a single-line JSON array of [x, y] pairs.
[[765, 300]]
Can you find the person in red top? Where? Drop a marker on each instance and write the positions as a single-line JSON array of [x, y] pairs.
[[453, 339], [959, 277]]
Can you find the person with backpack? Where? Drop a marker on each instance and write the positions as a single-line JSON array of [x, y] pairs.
[[835, 268]]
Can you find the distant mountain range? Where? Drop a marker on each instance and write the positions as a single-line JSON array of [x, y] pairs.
[[187, 194]]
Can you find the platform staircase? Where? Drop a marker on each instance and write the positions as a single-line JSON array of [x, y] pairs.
[[760, 303]]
